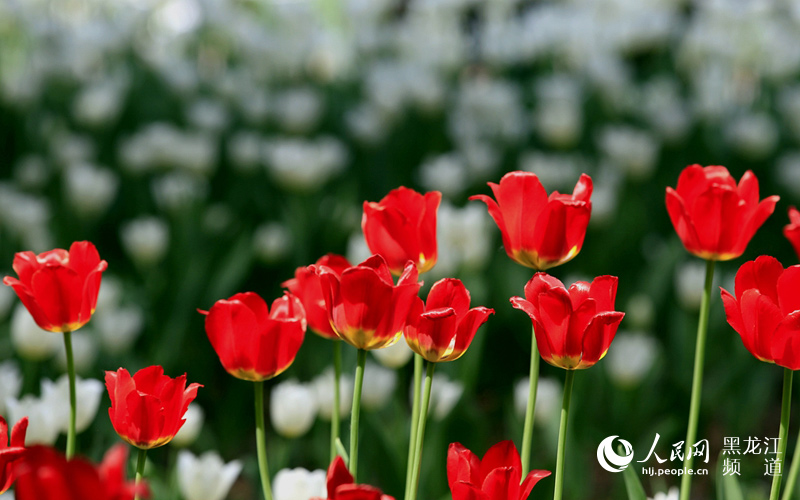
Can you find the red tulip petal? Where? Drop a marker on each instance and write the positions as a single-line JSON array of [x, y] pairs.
[[788, 288], [449, 292], [436, 333], [755, 221], [255, 303], [732, 313], [555, 310], [578, 293], [681, 221], [233, 330], [761, 274], [538, 284], [530, 481], [501, 455], [30, 303], [150, 379], [598, 337], [748, 189], [465, 491], [467, 328], [502, 483], [578, 329], [147, 419], [58, 292], [760, 317], [357, 492], [18, 432], [83, 258], [25, 265], [378, 264], [548, 239], [338, 475], [717, 216], [462, 465], [786, 342], [604, 292]]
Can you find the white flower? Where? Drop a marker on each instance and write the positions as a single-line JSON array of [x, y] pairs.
[[378, 386], [304, 165], [206, 477], [272, 241], [208, 115], [323, 389], [633, 151], [244, 151], [191, 428], [145, 239], [689, 283], [299, 484], [446, 173], [394, 356], [639, 311], [754, 135], [444, 395], [98, 104], [631, 358], [43, 425], [110, 292], [30, 341], [292, 408], [464, 239], [299, 109], [87, 395], [89, 189], [84, 351], [10, 383], [788, 172], [118, 327], [178, 190], [548, 399], [672, 494]]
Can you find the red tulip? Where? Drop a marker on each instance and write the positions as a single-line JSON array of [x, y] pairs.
[[496, 477], [306, 286], [443, 329], [364, 306], [11, 452], [539, 231], [402, 227], [766, 310], [252, 342], [45, 474], [340, 485], [792, 230], [714, 218], [147, 409], [573, 327], [59, 288]]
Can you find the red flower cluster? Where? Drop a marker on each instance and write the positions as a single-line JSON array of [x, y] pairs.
[[45, 474], [402, 227], [539, 231], [573, 327], [443, 329], [252, 342], [714, 217], [147, 409], [340, 485], [59, 288], [365, 308], [766, 310], [306, 286], [498, 476], [10, 452]]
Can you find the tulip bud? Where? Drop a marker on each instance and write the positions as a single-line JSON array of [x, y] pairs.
[[30, 341], [192, 426], [299, 484], [378, 386], [323, 390], [631, 359], [293, 408], [393, 356], [206, 477]]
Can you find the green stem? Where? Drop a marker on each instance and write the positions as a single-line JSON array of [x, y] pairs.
[[261, 440], [72, 399], [786, 405], [792, 481], [533, 384], [412, 442], [356, 411], [562, 435], [423, 414], [697, 381], [337, 375], [140, 470]]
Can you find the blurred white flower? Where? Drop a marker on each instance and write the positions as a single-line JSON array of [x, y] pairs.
[[272, 241], [89, 189], [31, 172], [445, 393], [187, 434], [98, 104], [110, 292], [446, 173], [217, 217], [299, 109], [10, 383], [292, 408], [690, 277], [70, 149], [487, 109], [788, 172], [394, 356], [379, 383], [87, 395], [208, 115], [177, 190], [464, 239], [548, 399], [7, 297], [323, 390], [145, 239], [631, 358], [304, 165], [634, 151], [84, 350], [367, 123], [244, 151], [299, 484], [639, 311], [43, 424], [119, 327], [24, 214], [30, 341], [205, 477], [754, 135], [672, 494], [559, 116], [557, 172]]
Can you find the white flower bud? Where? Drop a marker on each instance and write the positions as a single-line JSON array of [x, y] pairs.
[[187, 434], [292, 408], [43, 426], [30, 341], [299, 484], [87, 394], [206, 477]]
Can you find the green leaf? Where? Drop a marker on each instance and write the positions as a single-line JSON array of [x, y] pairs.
[[632, 483], [728, 487]]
